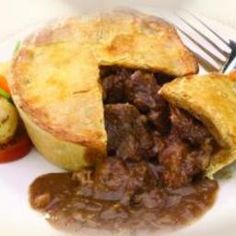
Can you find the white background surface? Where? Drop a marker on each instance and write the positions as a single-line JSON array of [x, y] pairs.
[[16, 217], [16, 15]]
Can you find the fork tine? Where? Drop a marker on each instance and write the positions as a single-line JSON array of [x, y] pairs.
[[206, 64], [210, 29], [208, 52], [223, 52]]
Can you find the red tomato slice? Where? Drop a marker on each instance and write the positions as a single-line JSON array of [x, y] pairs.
[[19, 147], [3, 84]]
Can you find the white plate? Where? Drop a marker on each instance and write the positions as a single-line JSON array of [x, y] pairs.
[[17, 218]]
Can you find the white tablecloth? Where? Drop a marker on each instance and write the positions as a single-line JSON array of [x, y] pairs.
[[16, 15]]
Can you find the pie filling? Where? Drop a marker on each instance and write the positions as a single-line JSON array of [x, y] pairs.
[[153, 177]]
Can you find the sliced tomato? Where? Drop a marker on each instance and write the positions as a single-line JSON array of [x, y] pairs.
[[17, 148], [3, 84]]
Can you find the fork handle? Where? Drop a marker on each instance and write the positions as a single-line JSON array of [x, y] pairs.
[[230, 66], [231, 63]]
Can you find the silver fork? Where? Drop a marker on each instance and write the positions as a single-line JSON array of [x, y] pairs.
[[220, 53]]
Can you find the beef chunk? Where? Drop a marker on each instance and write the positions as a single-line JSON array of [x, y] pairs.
[[141, 178], [111, 178], [188, 128], [142, 91], [181, 161], [128, 136], [186, 151], [118, 180], [114, 87]]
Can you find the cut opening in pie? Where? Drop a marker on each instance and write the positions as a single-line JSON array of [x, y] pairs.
[[143, 127]]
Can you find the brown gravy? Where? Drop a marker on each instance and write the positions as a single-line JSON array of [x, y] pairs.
[[153, 176], [70, 209]]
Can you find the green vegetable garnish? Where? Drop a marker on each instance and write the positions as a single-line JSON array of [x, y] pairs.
[[17, 47], [5, 94]]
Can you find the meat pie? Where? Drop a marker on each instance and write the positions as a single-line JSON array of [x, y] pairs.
[[99, 97]]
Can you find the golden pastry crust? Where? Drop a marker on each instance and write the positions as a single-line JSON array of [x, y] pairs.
[[212, 99], [47, 86], [55, 74], [123, 37]]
